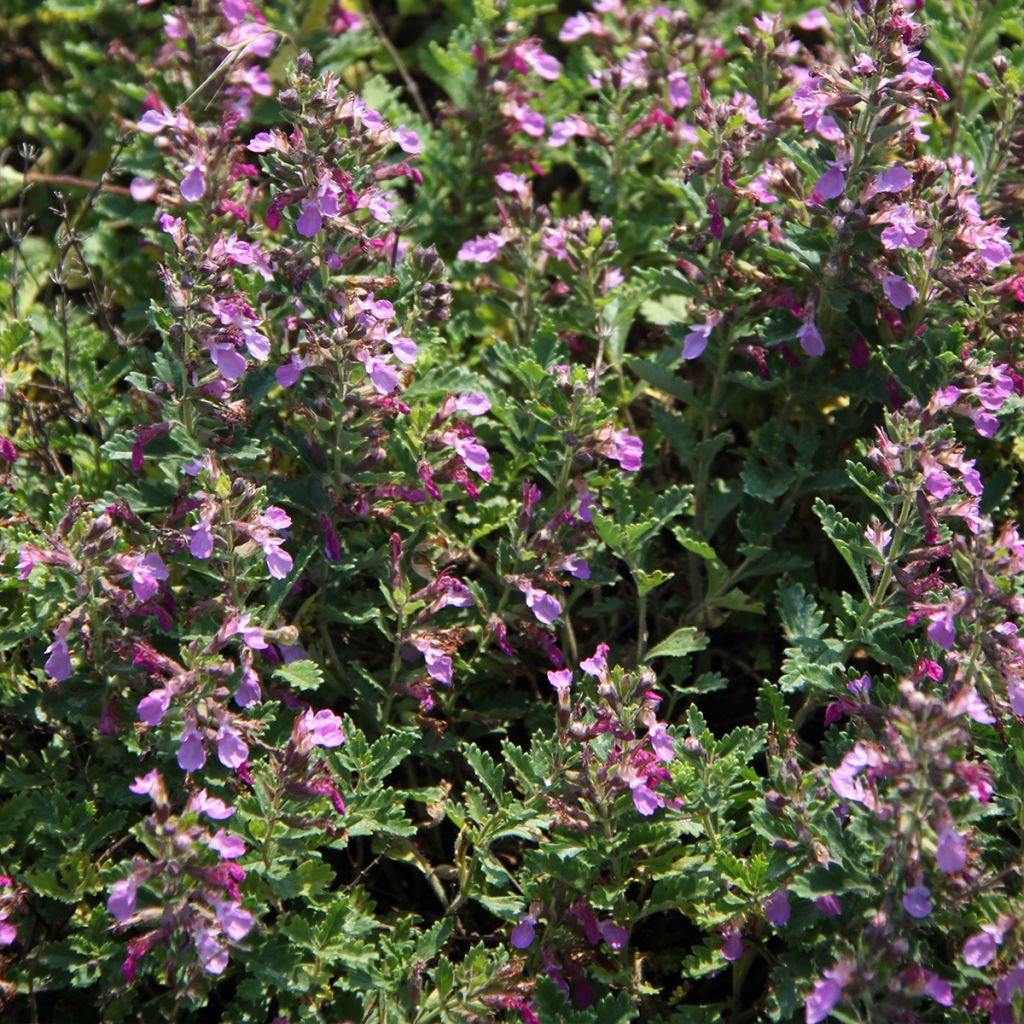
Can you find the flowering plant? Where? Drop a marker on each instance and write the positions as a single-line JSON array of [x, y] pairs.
[[513, 523]]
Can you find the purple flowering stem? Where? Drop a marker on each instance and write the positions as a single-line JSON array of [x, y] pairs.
[[891, 557]]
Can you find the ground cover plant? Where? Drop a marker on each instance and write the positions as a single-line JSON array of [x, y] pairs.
[[509, 511]]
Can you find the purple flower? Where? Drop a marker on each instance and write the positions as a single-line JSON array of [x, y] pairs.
[[121, 904], [382, 374], [481, 249], [213, 807], [615, 935], [596, 665], [193, 185], [58, 665], [942, 630], [829, 905], [142, 189], [231, 749], [235, 921], [679, 92], [949, 852], [248, 692], [903, 231], [938, 988], [899, 291], [810, 339], [191, 752], [473, 403], [697, 340], [561, 679], [147, 572], [831, 184], [323, 728], [625, 449], [776, 908], [279, 562], [150, 784], [288, 374], [212, 955], [822, 1000], [153, 706], [917, 900], [732, 949], [310, 220], [575, 565], [228, 845], [895, 179], [980, 948], [661, 743], [645, 799], [201, 545], [524, 932], [228, 360], [545, 607]]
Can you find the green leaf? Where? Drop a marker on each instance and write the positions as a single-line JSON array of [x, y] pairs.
[[683, 641]]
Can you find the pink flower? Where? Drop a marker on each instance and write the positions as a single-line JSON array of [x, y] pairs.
[[596, 665], [408, 140], [58, 665], [29, 556], [150, 785], [829, 905], [645, 799], [903, 231], [661, 743], [813, 20], [614, 934], [248, 692], [473, 403], [121, 904]]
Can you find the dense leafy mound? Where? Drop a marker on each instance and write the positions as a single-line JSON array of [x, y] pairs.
[[508, 514]]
